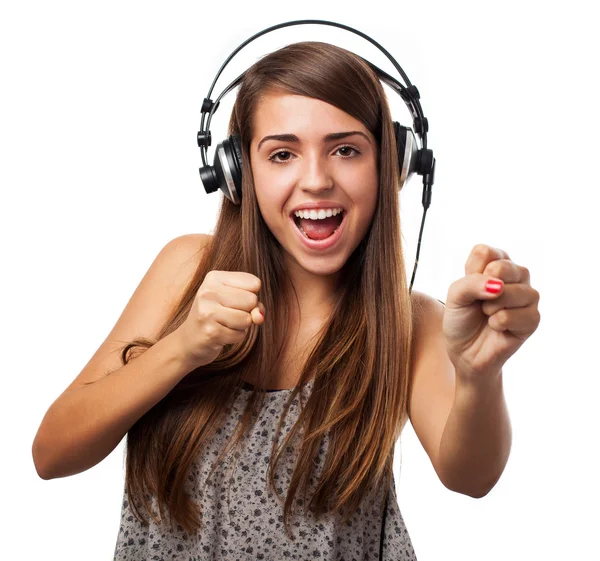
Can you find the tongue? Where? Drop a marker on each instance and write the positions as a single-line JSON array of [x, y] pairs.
[[320, 229]]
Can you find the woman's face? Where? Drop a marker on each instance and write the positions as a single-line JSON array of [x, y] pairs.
[[305, 164]]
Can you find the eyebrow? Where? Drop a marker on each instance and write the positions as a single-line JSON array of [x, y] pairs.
[[326, 138]]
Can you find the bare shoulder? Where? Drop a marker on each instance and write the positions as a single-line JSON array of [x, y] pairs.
[[150, 305], [423, 304], [183, 253], [170, 273], [427, 319], [190, 242]]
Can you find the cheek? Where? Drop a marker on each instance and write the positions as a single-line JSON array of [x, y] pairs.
[[272, 186], [362, 185], [281, 175], [368, 200], [270, 199]]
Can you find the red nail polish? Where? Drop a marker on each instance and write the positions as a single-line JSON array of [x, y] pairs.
[[493, 286], [263, 315]]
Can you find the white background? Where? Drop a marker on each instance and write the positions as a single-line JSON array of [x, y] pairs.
[[100, 104]]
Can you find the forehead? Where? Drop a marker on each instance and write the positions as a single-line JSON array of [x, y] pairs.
[[280, 113]]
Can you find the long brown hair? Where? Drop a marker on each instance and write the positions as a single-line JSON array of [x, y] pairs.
[[360, 361]]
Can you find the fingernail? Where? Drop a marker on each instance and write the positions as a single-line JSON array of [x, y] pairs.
[[494, 286], [263, 315]]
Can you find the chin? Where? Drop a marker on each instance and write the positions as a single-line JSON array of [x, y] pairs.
[[322, 266]]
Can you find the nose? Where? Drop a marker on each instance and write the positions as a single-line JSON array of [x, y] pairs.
[[315, 175]]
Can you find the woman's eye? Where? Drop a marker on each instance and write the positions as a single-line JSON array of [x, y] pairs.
[[347, 151], [281, 156]]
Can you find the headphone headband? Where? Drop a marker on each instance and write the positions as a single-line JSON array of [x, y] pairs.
[[308, 22]]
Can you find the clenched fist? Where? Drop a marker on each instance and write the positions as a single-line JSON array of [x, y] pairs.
[[225, 306]]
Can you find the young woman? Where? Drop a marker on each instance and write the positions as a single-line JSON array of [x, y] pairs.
[[264, 374]]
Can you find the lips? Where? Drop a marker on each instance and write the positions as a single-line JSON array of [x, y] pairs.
[[297, 219], [319, 244]]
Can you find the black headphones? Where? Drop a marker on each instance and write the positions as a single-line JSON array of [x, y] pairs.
[[226, 172]]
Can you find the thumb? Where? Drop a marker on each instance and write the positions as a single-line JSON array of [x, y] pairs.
[[258, 314], [476, 286]]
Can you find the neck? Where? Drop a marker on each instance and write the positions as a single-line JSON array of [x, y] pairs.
[[316, 294]]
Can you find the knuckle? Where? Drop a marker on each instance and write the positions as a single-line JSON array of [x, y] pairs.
[[482, 250], [452, 289], [210, 331], [502, 317], [489, 307], [495, 268], [497, 318], [254, 300], [209, 294], [208, 314], [213, 277]]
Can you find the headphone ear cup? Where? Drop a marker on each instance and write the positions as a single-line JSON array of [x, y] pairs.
[[227, 169], [226, 172], [407, 150]]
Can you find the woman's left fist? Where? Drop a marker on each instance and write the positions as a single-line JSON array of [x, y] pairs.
[[483, 329]]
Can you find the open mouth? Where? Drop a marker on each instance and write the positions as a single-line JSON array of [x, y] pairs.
[[320, 229]]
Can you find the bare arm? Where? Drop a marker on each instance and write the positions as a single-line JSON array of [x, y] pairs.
[[476, 442], [105, 400], [464, 427], [86, 423]]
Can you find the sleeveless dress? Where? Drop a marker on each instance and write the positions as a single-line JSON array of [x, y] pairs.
[[242, 519]]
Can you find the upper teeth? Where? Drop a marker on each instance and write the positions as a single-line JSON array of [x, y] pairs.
[[318, 214]]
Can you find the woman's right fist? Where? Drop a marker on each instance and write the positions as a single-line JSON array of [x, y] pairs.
[[225, 306]]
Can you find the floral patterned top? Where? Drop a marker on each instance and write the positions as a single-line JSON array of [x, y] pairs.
[[242, 518]]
